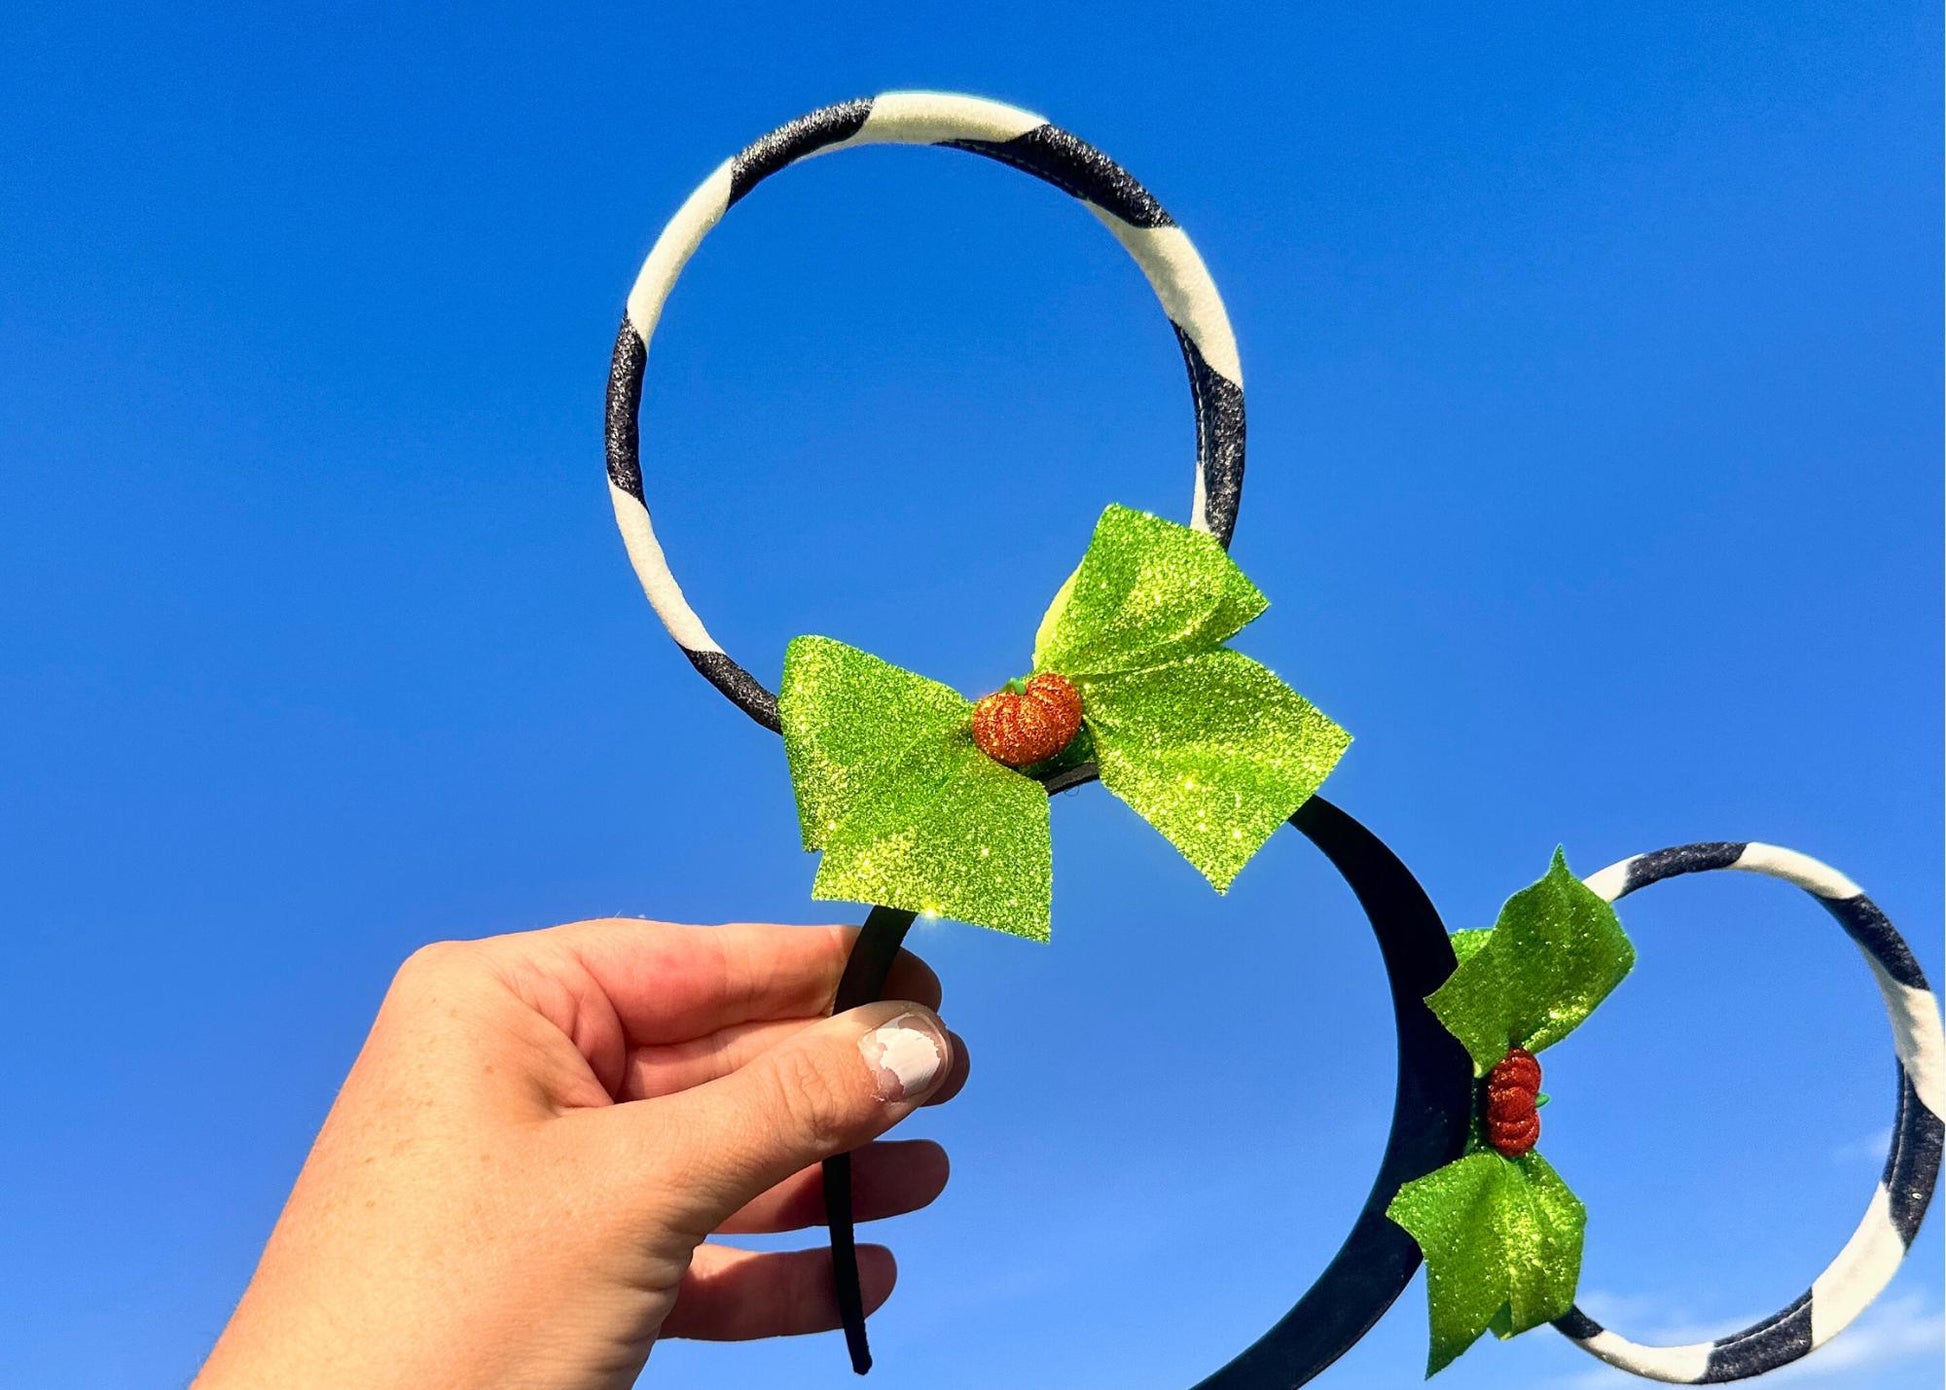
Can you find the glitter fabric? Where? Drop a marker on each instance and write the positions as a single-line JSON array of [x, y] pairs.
[[1555, 952], [1146, 591], [1500, 1231], [1207, 746], [1213, 751], [1502, 1240]]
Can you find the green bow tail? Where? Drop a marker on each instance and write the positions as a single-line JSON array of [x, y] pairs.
[[1502, 1236], [1206, 745]]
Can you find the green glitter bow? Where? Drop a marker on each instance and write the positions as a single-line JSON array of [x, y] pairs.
[[1205, 744], [1502, 1236]]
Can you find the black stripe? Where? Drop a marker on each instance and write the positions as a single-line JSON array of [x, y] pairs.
[[1219, 437], [743, 688], [1577, 1325], [1776, 1341], [1912, 1167], [625, 471], [1866, 925], [1074, 166], [624, 400], [786, 144], [1645, 869]]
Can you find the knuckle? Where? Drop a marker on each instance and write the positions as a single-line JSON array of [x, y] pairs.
[[821, 1107], [434, 961]]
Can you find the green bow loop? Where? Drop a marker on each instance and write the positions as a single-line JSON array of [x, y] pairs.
[[1147, 591], [1502, 1235], [1555, 952], [1205, 744], [907, 811], [1502, 1241], [1213, 750]]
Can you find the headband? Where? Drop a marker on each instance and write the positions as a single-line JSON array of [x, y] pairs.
[[925, 803]]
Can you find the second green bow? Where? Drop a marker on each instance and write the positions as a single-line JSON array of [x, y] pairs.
[[1205, 744], [1500, 1231]]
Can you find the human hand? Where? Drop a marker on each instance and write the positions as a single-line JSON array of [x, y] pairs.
[[515, 1184]]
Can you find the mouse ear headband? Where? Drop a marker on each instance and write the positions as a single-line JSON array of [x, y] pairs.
[[924, 802]]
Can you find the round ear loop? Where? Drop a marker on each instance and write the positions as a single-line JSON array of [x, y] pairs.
[[989, 128], [1875, 1250], [1433, 1103]]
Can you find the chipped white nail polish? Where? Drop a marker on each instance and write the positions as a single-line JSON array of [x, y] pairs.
[[904, 1055]]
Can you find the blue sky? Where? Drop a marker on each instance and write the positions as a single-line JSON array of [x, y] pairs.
[[1594, 373]]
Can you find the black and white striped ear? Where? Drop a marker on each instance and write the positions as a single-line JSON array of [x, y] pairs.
[[1873, 1254], [998, 131]]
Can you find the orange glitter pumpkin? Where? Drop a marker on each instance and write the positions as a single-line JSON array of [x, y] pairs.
[[1034, 725]]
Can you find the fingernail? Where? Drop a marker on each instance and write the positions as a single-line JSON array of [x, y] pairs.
[[905, 1055]]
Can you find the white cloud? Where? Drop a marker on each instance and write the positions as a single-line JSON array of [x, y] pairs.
[[1658, 1319], [1622, 1309], [1870, 1148], [1597, 1378], [1898, 1329]]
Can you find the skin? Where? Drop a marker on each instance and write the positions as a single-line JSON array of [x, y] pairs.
[[520, 1180]]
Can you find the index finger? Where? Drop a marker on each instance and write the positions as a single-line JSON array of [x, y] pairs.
[[669, 983]]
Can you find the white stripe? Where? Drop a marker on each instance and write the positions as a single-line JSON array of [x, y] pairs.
[[1807, 873], [1182, 282], [652, 568], [1916, 1036], [927, 118], [1860, 1273], [1170, 261], [1916, 1033], [1609, 883], [1676, 1365], [702, 210]]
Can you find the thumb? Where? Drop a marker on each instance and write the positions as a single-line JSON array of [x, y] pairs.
[[830, 1088]]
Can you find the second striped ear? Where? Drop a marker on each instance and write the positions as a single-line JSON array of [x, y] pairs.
[[1502, 1234]]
